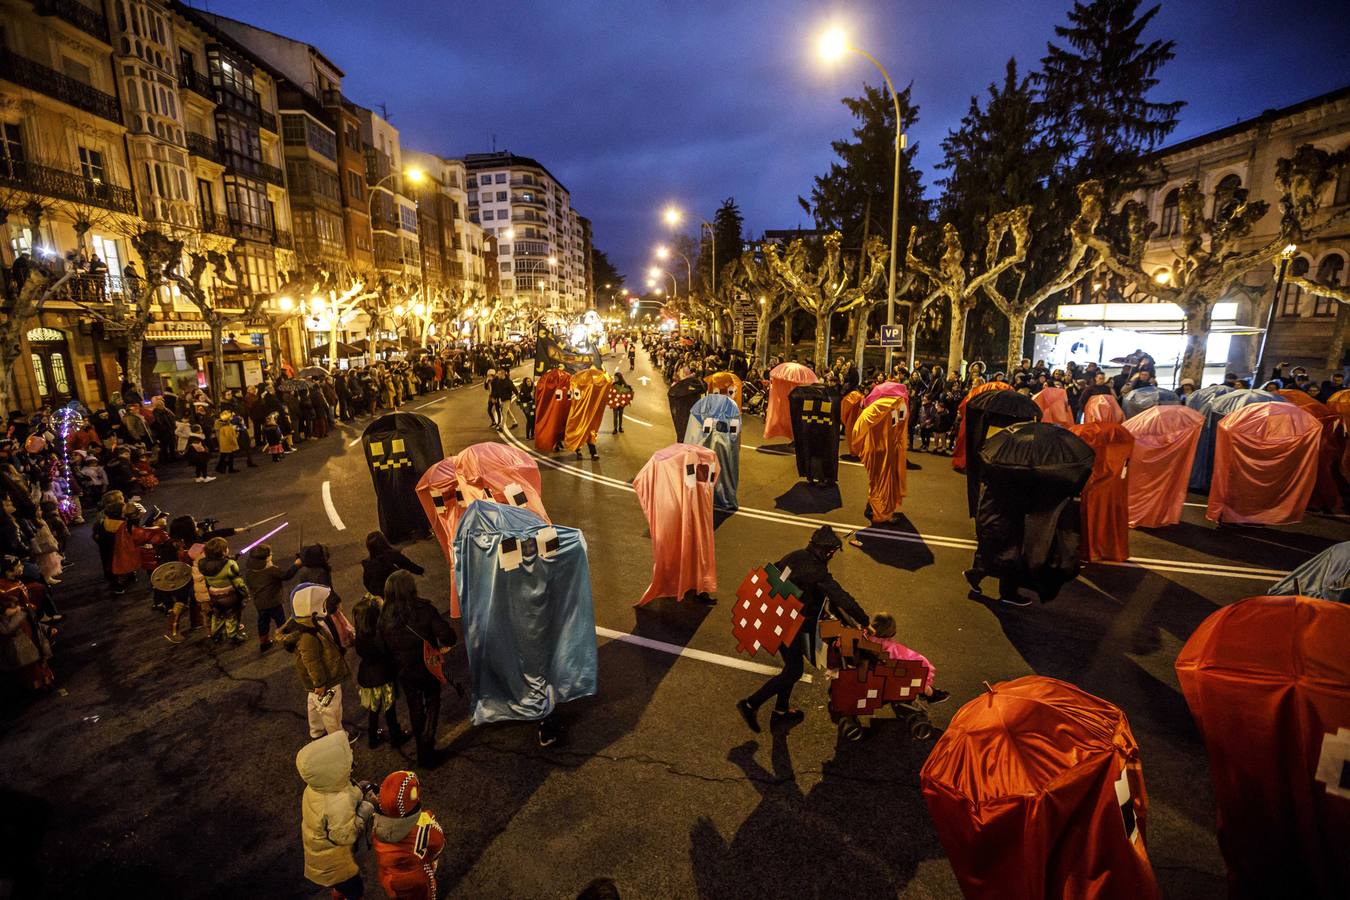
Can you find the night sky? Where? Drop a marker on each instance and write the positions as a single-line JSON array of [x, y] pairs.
[[635, 104]]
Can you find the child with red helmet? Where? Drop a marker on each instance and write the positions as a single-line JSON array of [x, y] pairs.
[[407, 838]]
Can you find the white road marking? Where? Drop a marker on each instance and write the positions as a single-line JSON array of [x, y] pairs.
[[627, 418], [429, 403], [731, 662], [354, 441], [1177, 566], [769, 452], [330, 508]]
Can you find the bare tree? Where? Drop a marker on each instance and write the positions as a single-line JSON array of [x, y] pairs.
[[825, 289], [25, 308], [770, 295], [950, 280], [1209, 266]]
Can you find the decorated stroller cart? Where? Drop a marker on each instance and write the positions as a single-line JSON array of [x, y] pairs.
[[864, 681]]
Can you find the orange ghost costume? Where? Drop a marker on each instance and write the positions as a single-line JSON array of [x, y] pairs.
[[1106, 496], [881, 434], [588, 390], [725, 383]]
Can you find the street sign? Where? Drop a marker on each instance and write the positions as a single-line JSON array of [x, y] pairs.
[[891, 336]]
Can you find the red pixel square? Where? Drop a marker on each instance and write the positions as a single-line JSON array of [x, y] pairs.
[[764, 618]]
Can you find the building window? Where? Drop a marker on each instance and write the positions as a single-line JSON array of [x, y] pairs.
[[356, 185], [1226, 197], [407, 218], [1330, 272], [1292, 300], [293, 129], [91, 165], [505, 266], [11, 152], [247, 203], [488, 215], [1171, 214], [501, 196], [501, 178], [1342, 194], [353, 138], [261, 268]]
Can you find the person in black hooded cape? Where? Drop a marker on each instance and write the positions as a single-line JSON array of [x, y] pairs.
[[682, 395], [400, 447], [986, 415], [1027, 524], [815, 432]]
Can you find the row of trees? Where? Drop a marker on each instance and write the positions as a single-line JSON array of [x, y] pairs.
[[1035, 204]]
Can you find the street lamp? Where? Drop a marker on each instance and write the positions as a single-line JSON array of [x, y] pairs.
[[663, 252], [1285, 255], [833, 46], [674, 216], [656, 272], [550, 262]]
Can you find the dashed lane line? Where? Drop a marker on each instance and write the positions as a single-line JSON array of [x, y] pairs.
[[731, 662], [627, 418]]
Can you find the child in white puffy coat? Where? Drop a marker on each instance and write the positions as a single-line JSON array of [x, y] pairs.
[[334, 812]]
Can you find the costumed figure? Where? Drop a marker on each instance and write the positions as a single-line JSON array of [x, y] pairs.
[[408, 840], [1036, 790], [1265, 464], [849, 409], [588, 389], [1324, 577], [1165, 438], [1147, 397], [682, 396], [552, 401], [1201, 401], [1326, 496], [399, 448], [529, 628], [1026, 527], [675, 489], [815, 429], [959, 447], [489, 471], [881, 434], [727, 383], [986, 415], [1103, 408], [715, 423], [1054, 404], [783, 378], [1267, 680], [1106, 496]]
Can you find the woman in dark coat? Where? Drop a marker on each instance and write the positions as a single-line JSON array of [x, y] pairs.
[[406, 623], [383, 560], [375, 675]]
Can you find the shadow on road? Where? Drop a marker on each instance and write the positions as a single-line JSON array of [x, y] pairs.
[[804, 499], [865, 820], [1246, 544], [910, 555]]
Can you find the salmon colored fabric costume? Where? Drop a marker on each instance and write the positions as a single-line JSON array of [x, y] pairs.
[[587, 409], [1265, 465], [1106, 497], [1267, 680], [849, 408], [1054, 404], [487, 471], [959, 451], [1103, 408], [882, 436], [675, 489], [1327, 492], [551, 403], [1037, 792], [1165, 438], [725, 383], [778, 415]]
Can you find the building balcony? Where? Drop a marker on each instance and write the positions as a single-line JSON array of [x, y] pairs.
[[529, 217], [75, 13], [249, 230], [282, 239], [36, 77], [527, 181], [215, 223], [266, 120], [529, 199], [247, 165], [48, 181], [197, 83], [202, 146]]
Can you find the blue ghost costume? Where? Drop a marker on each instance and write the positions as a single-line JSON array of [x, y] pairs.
[[1217, 405], [529, 626], [1142, 398], [1325, 577], [715, 423]]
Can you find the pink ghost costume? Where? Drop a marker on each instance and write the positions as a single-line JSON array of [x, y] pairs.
[[675, 489], [487, 471]]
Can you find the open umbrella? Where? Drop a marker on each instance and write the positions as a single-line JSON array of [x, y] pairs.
[[986, 415], [344, 351], [1036, 790], [959, 449], [1268, 682], [312, 372], [778, 414]]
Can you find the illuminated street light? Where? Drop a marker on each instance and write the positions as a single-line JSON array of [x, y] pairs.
[[286, 304], [832, 47], [673, 216]]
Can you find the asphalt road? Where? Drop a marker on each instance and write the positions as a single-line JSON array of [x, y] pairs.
[[169, 770]]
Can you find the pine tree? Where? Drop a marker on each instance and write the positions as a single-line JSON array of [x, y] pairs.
[[1096, 90], [727, 224], [603, 271]]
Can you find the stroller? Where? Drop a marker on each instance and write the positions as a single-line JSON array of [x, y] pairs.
[[863, 680], [753, 397]]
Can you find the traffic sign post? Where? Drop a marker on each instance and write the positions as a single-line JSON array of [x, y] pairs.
[[891, 336]]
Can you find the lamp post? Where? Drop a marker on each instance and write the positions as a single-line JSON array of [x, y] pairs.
[[833, 45], [674, 216], [1285, 256], [663, 253], [550, 262], [655, 273]]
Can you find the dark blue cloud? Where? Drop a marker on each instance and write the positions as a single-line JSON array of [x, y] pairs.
[[633, 104]]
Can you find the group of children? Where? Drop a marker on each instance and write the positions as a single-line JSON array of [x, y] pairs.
[[230, 437], [933, 426]]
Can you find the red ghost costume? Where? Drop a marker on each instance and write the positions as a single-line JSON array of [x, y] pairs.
[[849, 408], [1327, 492], [1037, 792], [488, 471], [778, 415], [959, 449], [727, 383], [675, 489], [552, 401], [1054, 404], [1103, 408], [588, 391], [1268, 682], [1265, 465], [1164, 450], [1106, 496], [881, 434]]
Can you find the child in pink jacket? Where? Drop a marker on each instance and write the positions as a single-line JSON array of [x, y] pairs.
[[883, 632]]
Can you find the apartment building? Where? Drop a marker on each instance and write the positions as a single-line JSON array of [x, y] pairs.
[[1305, 330], [453, 246], [519, 202]]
